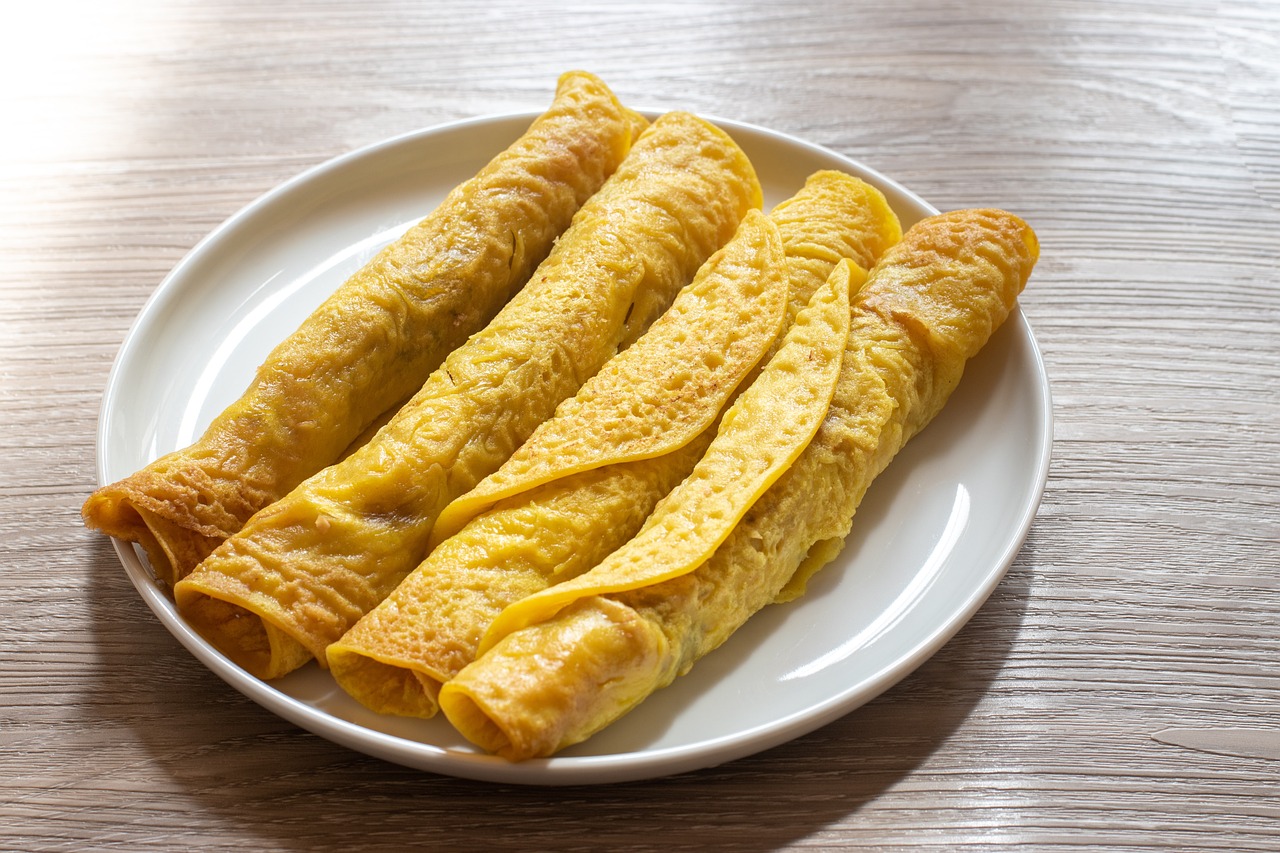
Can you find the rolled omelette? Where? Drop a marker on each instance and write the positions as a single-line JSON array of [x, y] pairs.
[[375, 340], [649, 401], [303, 570], [586, 480], [556, 672]]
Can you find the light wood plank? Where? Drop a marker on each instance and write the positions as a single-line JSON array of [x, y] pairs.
[[1119, 691]]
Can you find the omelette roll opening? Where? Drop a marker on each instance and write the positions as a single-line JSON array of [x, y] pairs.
[[173, 545], [253, 644], [554, 684], [384, 684], [469, 715], [131, 527], [167, 543]]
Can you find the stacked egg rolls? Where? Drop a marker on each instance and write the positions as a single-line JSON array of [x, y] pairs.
[[559, 665], [373, 343], [303, 570], [586, 480]]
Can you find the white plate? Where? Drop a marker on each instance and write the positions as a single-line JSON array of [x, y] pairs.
[[934, 535]]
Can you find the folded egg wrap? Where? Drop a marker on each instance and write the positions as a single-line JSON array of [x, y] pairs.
[[303, 570]]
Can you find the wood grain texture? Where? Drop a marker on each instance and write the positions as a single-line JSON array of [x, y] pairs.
[[1120, 689]]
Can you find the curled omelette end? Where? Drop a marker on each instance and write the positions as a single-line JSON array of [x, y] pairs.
[[314, 562], [930, 303], [373, 343], [605, 656]]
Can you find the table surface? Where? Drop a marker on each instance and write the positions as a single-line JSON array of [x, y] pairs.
[[1119, 689]]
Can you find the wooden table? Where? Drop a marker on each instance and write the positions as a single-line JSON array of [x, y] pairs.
[[1120, 690]]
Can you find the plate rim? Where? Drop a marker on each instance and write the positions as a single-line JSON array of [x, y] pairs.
[[557, 770]]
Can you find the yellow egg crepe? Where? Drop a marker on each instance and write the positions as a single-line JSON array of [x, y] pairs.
[[561, 669], [374, 342], [302, 571], [586, 480], [652, 399]]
